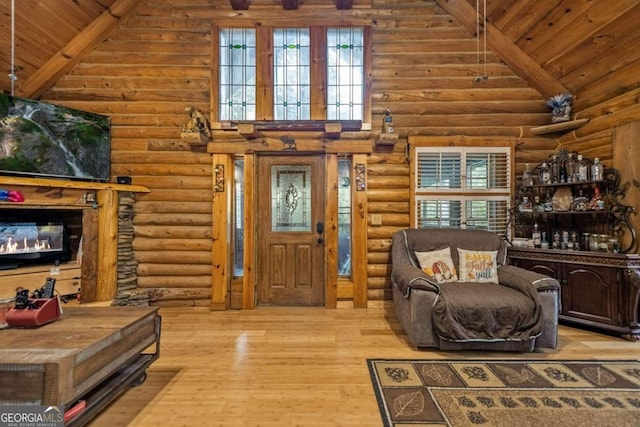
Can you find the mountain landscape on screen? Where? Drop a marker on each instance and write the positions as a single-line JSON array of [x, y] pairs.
[[43, 139]]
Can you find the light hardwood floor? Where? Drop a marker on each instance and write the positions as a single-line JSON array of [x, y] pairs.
[[291, 367]]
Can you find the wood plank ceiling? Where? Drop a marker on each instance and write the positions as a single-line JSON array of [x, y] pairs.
[[553, 44]]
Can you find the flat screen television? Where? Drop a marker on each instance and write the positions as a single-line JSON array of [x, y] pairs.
[[47, 140], [32, 243]]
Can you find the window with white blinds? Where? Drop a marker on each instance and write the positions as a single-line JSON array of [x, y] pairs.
[[463, 187], [462, 169], [438, 170]]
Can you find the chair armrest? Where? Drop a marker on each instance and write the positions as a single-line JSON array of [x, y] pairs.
[[405, 274], [513, 276], [406, 277]]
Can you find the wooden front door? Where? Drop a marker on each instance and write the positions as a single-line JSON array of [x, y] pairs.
[[290, 230]]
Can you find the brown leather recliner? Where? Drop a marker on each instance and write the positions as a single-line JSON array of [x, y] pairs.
[[420, 300]]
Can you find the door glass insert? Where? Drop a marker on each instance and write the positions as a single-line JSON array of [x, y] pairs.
[[291, 198]]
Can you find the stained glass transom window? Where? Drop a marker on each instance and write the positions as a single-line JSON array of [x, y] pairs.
[[237, 100], [292, 74], [345, 73], [291, 198]]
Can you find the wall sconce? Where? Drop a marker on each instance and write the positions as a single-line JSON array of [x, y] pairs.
[[361, 182], [219, 180]]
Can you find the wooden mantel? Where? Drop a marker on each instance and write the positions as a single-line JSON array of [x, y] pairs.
[[65, 183], [99, 205]]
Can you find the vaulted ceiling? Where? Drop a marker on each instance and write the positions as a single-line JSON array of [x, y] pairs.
[[555, 45]]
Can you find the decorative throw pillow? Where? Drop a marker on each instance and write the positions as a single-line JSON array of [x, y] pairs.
[[438, 264], [478, 266]]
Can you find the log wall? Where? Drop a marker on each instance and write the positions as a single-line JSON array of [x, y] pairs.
[[143, 76], [423, 68]]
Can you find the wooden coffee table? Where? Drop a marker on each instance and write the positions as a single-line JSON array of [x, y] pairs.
[[89, 355]]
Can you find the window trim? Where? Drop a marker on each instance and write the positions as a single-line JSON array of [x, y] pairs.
[[265, 78]]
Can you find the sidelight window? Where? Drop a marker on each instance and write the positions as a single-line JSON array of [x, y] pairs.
[[344, 217], [238, 217]]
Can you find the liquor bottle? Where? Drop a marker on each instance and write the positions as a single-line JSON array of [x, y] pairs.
[[548, 202], [597, 170], [570, 242], [527, 176], [545, 174], [565, 240], [544, 243], [555, 244], [583, 169], [536, 236], [562, 172], [55, 270], [556, 177], [570, 168], [538, 206], [575, 243]]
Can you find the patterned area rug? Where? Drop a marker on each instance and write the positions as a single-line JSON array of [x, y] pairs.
[[507, 392]]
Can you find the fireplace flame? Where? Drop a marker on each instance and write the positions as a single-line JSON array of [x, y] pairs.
[[11, 246]]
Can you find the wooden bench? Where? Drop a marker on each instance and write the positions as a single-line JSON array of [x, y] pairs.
[[89, 356]]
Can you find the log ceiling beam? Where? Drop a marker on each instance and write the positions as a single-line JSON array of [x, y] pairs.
[[290, 4], [344, 4], [506, 50], [240, 4], [81, 45]]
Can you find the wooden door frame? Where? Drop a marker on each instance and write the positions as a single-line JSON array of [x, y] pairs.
[[351, 291]]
